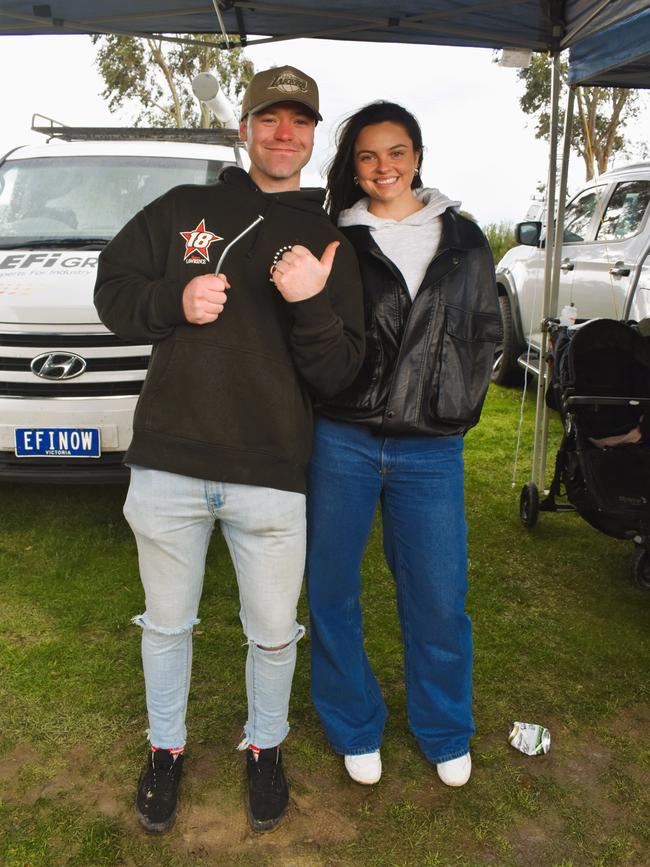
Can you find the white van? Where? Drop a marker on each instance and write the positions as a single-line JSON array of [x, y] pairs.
[[68, 386]]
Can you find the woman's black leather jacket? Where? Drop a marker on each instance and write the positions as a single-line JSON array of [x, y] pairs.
[[428, 361]]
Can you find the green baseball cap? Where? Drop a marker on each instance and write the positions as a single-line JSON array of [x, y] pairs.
[[281, 84]]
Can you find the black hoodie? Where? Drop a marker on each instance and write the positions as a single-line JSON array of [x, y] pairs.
[[230, 401]]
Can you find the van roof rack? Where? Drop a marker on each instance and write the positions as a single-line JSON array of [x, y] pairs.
[[55, 130]]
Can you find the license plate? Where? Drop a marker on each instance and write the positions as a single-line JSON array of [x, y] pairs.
[[57, 442]]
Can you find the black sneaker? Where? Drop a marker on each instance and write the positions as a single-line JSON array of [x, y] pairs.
[[268, 792], [155, 802]]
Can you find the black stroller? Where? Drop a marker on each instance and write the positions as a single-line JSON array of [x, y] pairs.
[[601, 387]]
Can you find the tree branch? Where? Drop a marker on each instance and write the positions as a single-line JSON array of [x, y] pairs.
[[619, 104], [159, 59], [587, 152]]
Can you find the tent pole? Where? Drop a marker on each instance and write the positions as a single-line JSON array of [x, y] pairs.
[[217, 10], [541, 429], [559, 223], [557, 259]]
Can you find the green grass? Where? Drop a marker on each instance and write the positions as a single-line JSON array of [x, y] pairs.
[[561, 638]]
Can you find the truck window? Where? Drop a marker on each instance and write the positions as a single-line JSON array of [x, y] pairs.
[[625, 211], [579, 213], [87, 196]]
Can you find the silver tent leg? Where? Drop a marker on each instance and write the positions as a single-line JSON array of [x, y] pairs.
[[529, 500], [552, 310], [541, 418], [559, 223]]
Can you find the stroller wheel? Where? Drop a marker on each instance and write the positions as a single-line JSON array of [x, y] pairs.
[[641, 567], [529, 505]]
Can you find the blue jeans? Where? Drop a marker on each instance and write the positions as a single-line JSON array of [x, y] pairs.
[[172, 518], [419, 483]]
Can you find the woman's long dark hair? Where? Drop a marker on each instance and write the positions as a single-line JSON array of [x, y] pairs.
[[342, 192]]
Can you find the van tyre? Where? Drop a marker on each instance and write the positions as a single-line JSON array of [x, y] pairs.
[[505, 370], [641, 567]]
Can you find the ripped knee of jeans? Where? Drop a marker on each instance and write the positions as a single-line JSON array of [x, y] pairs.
[[277, 648], [144, 622]]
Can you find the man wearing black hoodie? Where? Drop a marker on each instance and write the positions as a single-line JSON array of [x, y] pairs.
[[222, 430]]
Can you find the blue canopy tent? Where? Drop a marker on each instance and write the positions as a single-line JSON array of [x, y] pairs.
[[609, 39], [618, 56], [541, 25]]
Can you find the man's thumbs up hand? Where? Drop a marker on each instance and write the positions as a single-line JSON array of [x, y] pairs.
[[299, 274]]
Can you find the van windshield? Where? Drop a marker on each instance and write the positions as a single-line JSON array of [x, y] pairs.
[[86, 197]]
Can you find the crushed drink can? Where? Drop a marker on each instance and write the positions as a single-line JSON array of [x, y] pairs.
[[530, 738]]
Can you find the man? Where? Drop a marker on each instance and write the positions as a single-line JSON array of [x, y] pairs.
[[222, 430]]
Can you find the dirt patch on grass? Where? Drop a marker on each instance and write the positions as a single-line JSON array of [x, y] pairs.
[[212, 820], [28, 777], [21, 756], [534, 840], [572, 762], [320, 813], [631, 722], [23, 626]]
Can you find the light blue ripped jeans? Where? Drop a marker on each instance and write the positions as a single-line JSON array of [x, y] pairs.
[[172, 518]]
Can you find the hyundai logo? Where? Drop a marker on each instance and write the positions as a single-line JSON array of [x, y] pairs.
[[58, 365]]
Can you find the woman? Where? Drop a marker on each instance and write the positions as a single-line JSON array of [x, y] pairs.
[[396, 437]]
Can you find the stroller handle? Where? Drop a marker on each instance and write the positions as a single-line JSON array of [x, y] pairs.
[[593, 400]]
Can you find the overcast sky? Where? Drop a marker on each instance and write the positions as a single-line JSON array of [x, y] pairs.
[[480, 147]]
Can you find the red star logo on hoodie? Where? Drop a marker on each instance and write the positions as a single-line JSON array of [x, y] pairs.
[[197, 242]]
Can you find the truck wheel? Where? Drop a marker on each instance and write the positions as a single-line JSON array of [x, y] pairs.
[[505, 370], [641, 567]]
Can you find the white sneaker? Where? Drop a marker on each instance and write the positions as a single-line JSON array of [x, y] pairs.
[[364, 769], [455, 772]]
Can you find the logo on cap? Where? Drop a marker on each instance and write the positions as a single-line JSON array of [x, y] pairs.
[[287, 82]]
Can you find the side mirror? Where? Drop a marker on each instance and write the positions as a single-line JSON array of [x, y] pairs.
[[529, 233]]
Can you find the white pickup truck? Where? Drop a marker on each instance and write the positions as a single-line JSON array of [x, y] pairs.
[[68, 386], [605, 266]]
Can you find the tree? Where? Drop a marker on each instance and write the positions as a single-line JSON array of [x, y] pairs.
[[156, 76], [600, 118], [501, 238]]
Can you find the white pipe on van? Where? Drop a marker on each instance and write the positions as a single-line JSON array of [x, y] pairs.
[[207, 89]]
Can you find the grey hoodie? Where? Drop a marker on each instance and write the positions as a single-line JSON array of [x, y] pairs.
[[410, 243]]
